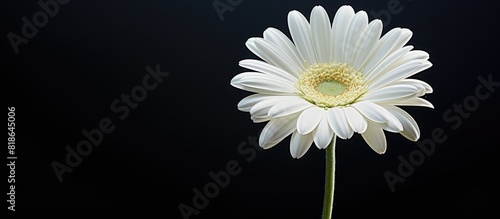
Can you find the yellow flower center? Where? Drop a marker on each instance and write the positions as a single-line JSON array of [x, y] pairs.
[[331, 85]]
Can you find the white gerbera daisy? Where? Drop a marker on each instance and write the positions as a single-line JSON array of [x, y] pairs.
[[332, 80]]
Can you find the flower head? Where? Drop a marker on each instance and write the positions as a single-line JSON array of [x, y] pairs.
[[333, 80]]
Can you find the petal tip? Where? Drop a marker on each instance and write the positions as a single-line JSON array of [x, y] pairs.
[[346, 7], [318, 7], [294, 13], [414, 139], [234, 82]]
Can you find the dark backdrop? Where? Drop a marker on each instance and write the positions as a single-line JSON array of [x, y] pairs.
[[65, 78]]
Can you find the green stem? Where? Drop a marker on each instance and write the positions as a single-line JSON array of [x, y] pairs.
[[329, 180]]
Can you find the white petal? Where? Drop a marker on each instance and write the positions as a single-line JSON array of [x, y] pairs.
[[375, 138], [392, 93], [321, 34], [392, 62], [260, 110], [275, 90], [356, 28], [355, 119], [235, 81], [338, 122], [276, 130], [401, 72], [287, 108], [384, 48], [269, 102], [256, 119], [309, 120], [280, 40], [367, 43], [414, 55], [323, 134], [372, 111], [275, 56], [248, 102], [410, 126], [415, 102], [419, 87], [378, 114], [299, 144], [268, 69], [340, 24], [383, 67], [405, 36], [301, 35], [417, 83], [255, 82]]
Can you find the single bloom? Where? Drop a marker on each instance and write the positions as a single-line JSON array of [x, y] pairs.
[[334, 79]]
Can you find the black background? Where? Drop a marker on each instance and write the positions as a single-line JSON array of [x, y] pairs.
[[65, 78]]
